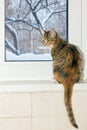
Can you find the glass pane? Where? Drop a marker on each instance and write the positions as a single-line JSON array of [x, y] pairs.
[[23, 21]]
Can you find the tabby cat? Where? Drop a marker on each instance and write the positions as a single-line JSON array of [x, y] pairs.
[[67, 64]]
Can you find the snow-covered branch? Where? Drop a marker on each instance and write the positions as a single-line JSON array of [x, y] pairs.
[[34, 12], [10, 46], [12, 31], [51, 12], [25, 21], [36, 4]]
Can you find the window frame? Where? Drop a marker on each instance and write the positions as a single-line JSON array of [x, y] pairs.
[[43, 70]]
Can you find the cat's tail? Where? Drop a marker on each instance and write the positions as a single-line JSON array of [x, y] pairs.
[[68, 104]]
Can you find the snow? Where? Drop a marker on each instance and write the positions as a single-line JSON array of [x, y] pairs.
[[27, 57]]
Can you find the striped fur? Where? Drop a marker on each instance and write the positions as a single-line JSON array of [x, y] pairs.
[[68, 104], [67, 65]]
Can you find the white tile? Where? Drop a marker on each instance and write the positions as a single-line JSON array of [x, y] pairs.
[[48, 104], [82, 122], [62, 123], [4, 124], [20, 124], [42, 123], [4, 105], [58, 123], [51, 123], [80, 103], [20, 105]]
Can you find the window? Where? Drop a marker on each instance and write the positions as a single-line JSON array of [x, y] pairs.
[[23, 21], [77, 30]]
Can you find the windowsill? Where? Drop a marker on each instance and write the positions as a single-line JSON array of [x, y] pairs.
[[37, 86]]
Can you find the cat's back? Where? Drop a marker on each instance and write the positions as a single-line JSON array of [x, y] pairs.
[[68, 56]]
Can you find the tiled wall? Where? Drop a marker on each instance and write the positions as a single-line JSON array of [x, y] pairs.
[[41, 111]]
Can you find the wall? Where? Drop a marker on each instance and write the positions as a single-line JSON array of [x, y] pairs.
[[34, 107]]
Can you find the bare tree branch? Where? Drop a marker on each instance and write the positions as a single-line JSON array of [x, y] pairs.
[[11, 20], [50, 14], [10, 46], [29, 2], [36, 4], [12, 31], [34, 13], [47, 2]]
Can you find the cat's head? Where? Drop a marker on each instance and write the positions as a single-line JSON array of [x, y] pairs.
[[49, 37]]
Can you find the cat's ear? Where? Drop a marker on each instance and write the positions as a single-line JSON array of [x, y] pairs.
[[52, 32]]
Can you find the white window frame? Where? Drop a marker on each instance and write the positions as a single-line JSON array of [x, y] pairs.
[[77, 25]]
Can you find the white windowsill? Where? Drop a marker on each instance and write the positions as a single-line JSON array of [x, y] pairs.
[[37, 86]]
